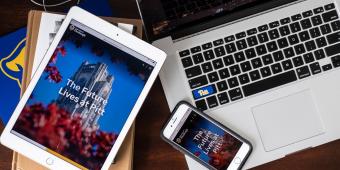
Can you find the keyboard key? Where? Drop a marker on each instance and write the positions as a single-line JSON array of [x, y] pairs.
[[310, 45], [316, 20], [263, 37], [241, 44], [269, 83], [187, 62], [207, 67], [255, 75], [218, 63], [298, 61], [224, 73], [296, 17], [198, 82], [235, 70], [319, 54], [265, 72], [193, 71], [287, 64], [306, 24], [195, 49], [333, 38], [228, 60], [335, 25], [223, 98], [261, 49], [229, 38], [307, 14], [267, 59], [278, 56], [244, 78], [315, 32], [252, 41], [289, 52], [204, 91], [274, 24], [257, 63], [207, 46], [245, 66], [285, 21], [230, 48], [303, 72], [274, 34], [284, 30], [235, 94], [299, 49], [315, 68], [272, 46], [283, 42], [209, 55], [233, 82], [213, 77], [318, 10], [218, 42], [329, 6], [222, 85], [330, 16], [240, 35], [327, 67], [263, 28], [293, 39], [252, 31], [201, 105], [321, 42], [325, 29], [336, 61], [250, 53], [198, 58], [334, 49], [308, 58], [276, 68], [239, 56], [295, 27], [219, 51], [304, 36], [184, 53]]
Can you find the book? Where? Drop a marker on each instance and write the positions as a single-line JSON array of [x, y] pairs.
[[35, 23]]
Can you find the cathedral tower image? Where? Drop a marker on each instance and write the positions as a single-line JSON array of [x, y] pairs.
[[97, 79]]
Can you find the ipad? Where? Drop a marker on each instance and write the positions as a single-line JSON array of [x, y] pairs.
[[84, 96]]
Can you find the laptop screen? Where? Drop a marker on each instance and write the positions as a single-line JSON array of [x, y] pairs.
[[164, 17]]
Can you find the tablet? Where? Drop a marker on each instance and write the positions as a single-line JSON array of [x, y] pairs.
[[84, 96]]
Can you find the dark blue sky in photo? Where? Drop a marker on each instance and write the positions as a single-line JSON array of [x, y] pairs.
[[126, 87]]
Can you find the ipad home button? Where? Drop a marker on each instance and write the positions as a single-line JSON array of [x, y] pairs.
[[237, 160], [49, 161]]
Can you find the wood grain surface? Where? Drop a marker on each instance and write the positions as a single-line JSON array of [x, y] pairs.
[[150, 151]]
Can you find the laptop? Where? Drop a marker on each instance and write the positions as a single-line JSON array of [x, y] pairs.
[[267, 69]]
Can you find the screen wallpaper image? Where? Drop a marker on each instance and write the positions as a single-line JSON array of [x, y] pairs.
[[83, 98], [207, 141]]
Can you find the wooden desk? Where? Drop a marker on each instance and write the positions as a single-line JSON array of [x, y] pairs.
[[150, 151]]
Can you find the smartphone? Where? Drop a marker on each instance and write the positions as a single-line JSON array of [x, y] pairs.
[[207, 141]]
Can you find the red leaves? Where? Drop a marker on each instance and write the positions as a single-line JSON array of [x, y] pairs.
[[54, 128], [51, 69]]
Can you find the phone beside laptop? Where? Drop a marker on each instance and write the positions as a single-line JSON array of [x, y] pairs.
[[204, 139], [84, 96]]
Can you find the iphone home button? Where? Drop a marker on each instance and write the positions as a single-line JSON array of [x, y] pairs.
[[237, 160], [49, 161]]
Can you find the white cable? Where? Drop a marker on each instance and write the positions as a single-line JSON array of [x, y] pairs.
[[51, 5]]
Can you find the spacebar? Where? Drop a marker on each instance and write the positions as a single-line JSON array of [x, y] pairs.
[[269, 83]]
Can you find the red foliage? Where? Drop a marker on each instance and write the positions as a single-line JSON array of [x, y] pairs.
[[54, 128], [52, 71]]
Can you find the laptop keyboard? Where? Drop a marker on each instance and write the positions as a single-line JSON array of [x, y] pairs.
[[268, 56]]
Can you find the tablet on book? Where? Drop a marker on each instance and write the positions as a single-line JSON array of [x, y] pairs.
[[84, 96]]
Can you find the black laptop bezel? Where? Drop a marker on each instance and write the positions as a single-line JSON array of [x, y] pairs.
[[196, 28]]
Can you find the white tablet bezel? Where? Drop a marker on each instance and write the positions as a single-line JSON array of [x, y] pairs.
[[49, 160]]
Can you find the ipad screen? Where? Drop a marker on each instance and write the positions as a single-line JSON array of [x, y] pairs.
[[84, 97]]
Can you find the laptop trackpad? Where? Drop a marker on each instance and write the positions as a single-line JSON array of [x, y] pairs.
[[287, 120]]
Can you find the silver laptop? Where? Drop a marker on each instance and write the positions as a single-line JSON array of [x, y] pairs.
[[267, 69]]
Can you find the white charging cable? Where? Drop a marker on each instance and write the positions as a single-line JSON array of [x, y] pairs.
[[44, 5]]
